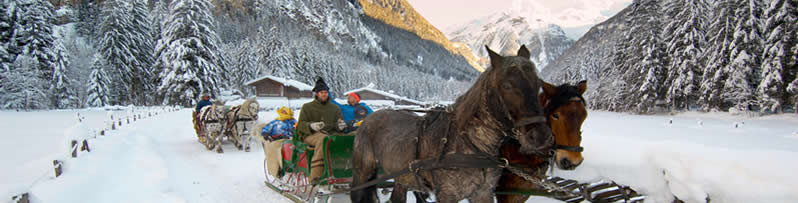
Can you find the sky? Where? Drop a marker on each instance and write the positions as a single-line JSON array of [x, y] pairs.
[[566, 13]]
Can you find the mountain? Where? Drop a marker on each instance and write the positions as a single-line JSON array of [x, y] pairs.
[[688, 55], [507, 31], [400, 14], [592, 47]]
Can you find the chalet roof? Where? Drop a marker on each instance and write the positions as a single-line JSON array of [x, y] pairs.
[[386, 94], [287, 82]]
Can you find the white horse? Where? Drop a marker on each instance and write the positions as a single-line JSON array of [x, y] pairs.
[[240, 121], [211, 121]]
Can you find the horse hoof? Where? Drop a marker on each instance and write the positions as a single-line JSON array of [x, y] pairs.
[[219, 150], [246, 149]]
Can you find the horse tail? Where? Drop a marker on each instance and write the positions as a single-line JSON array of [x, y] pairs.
[[364, 164]]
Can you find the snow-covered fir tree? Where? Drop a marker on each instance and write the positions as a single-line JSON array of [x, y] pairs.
[[640, 60], [142, 50], [625, 55], [61, 92], [88, 18], [780, 30], [188, 54], [242, 63], [34, 34], [115, 46], [745, 56], [127, 50], [719, 37], [98, 94], [654, 60], [7, 24], [23, 87], [684, 35]]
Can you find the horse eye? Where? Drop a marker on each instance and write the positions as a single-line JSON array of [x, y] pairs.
[[556, 116], [506, 85]]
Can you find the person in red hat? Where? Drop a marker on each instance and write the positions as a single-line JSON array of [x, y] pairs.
[[354, 111]]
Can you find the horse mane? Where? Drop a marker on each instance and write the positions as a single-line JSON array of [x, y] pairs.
[[468, 105], [565, 93]]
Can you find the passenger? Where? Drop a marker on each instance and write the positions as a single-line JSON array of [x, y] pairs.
[[281, 127], [317, 120], [354, 111]]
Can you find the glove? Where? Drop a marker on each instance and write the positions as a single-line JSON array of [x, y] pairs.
[[341, 124], [317, 126]]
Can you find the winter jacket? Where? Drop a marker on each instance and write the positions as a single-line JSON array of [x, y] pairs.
[[278, 129], [349, 111], [203, 103], [315, 111]]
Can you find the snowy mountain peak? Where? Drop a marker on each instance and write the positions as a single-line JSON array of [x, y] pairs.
[[506, 31]]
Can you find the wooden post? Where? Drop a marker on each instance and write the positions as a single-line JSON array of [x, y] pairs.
[[85, 146], [74, 143], [102, 132], [57, 166], [120, 122], [23, 198], [113, 125]]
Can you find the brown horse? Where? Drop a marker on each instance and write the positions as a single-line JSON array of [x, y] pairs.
[[502, 103], [565, 111]]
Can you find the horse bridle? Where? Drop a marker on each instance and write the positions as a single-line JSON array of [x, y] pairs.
[[566, 147]]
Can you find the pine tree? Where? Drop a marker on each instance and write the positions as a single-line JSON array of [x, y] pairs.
[[97, 91], [22, 87], [62, 94], [685, 39], [745, 56], [34, 34], [115, 48], [792, 65], [646, 59], [142, 49], [189, 57], [242, 63], [88, 17], [623, 58], [719, 38], [780, 29], [7, 24]]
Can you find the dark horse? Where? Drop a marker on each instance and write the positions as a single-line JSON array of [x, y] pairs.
[[502, 103], [565, 111]]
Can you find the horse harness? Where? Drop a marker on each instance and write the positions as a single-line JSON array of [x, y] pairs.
[[457, 160]]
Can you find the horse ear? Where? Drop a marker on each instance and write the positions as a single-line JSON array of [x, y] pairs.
[[548, 89], [495, 59], [581, 86], [524, 52]]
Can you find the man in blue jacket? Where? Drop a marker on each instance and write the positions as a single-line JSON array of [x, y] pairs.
[[206, 100], [354, 111]]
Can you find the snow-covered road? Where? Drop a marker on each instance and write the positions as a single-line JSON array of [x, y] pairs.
[[159, 160]]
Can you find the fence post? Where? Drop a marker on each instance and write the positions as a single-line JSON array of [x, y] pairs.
[[57, 167], [74, 143], [23, 198], [85, 146]]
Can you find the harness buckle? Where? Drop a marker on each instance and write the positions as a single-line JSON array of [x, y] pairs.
[[506, 162]]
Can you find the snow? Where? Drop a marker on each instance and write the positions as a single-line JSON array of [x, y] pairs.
[[383, 93], [287, 82], [158, 159]]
